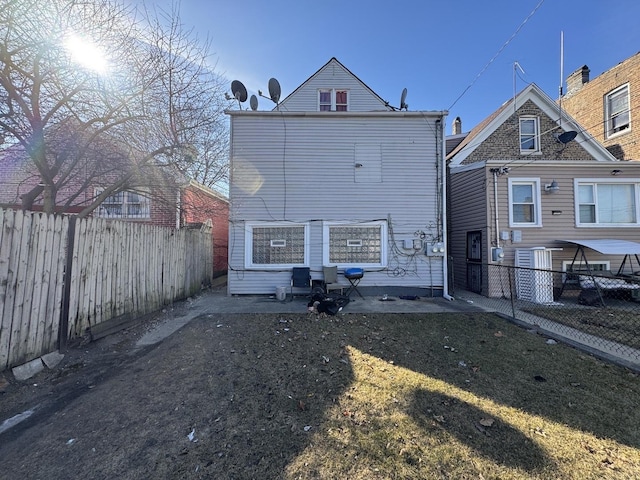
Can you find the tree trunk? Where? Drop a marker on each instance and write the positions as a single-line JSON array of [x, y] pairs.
[[30, 197], [49, 199]]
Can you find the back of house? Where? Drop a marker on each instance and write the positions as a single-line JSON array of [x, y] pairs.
[[334, 175]]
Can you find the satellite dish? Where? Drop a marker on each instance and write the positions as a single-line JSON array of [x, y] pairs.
[[566, 137], [253, 102], [403, 97], [274, 90], [239, 91]]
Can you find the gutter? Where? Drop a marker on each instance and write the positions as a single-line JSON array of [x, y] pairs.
[[443, 179]]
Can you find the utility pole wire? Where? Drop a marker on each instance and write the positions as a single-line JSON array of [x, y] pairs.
[[498, 53]]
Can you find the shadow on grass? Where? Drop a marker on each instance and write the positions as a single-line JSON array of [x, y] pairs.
[[492, 358], [442, 415]]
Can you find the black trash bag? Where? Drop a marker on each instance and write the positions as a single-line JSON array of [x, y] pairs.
[[330, 305]]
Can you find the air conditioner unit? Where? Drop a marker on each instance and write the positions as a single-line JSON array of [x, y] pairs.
[[534, 278]]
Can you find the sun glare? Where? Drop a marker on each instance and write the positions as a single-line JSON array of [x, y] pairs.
[[86, 53]]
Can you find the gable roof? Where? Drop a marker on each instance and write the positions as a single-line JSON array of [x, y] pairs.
[[534, 94], [334, 62]]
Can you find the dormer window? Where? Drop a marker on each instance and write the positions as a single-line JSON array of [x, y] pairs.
[[529, 135], [332, 100]]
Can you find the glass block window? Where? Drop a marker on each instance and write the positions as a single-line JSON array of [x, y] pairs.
[[277, 245], [356, 244]]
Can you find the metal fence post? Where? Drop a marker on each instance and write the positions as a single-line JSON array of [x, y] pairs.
[[63, 330], [513, 307]]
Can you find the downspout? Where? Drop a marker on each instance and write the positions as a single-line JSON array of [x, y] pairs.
[[495, 203], [441, 152]]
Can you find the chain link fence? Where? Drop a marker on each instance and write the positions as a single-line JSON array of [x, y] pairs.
[[594, 310]]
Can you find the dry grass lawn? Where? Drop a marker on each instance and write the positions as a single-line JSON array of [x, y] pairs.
[[403, 396]]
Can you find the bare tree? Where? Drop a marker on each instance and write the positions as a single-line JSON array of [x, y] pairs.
[[96, 93]]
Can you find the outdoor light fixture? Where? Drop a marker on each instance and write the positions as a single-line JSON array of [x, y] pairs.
[[552, 187], [616, 171]]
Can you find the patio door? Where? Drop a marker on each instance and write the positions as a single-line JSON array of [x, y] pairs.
[[474, 261]]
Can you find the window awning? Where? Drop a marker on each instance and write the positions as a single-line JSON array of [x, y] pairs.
[[609, 246]]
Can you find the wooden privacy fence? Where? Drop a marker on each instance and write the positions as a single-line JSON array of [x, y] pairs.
[[61, 276]]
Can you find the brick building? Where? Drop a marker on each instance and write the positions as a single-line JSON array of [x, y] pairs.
[[606, 105], [158, 198]]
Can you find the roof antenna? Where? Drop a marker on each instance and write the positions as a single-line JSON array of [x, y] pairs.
[[516, 65], [564, 137]]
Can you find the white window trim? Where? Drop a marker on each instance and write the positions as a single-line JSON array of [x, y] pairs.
[[576, 206], [383, 243], [567, 263], [99, 211], [607, 116], [536, 150], [248, 246], [536, 202], [333, 97]]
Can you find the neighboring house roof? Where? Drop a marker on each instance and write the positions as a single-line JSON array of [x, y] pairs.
[[534, 94], [334, 62], [454, 140], [207, 190]]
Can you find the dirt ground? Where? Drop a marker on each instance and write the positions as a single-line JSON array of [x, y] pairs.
[[254, 396], [227, 396]]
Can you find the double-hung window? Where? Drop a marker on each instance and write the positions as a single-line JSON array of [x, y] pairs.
[[524, 202], [617, 113], [332, 100], [123, 205], [529, 135], [276, 245], [355, 244], [606, 203]]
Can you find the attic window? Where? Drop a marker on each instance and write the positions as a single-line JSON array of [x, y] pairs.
[[529, 135], [332, 100]]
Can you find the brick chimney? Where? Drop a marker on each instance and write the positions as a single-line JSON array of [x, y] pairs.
[[456, 128], [577, 79]]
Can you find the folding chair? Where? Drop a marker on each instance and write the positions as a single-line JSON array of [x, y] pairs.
[[331, 280], [301, 278]]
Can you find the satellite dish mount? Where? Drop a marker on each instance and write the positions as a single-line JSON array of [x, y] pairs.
[[239, 92], [274, 91], [403, 103]]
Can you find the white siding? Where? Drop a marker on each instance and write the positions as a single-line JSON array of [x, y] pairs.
[[332, 76], [300, 168]]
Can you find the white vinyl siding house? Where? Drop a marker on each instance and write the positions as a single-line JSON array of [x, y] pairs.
[[361, 183]]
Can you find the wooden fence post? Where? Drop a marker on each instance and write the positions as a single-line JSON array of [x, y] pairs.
[[63, 331]]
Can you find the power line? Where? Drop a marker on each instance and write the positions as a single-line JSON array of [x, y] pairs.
[[498, 53]]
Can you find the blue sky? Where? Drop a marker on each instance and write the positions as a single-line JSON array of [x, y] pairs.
[[434, 49]]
